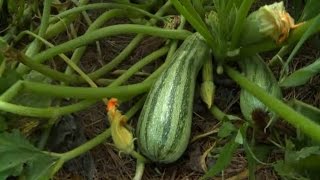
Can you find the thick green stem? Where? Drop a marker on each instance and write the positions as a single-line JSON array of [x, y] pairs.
[[87, 92], [299, 121], [109, 31], [139, 170]]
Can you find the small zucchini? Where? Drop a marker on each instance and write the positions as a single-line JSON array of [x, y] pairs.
[[257, 71]]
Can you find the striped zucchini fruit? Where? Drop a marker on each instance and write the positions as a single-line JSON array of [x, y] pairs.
[[164, 124], [257, 71]]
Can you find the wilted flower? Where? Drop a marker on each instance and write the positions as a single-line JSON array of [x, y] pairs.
[[121, 136], [271, 21]]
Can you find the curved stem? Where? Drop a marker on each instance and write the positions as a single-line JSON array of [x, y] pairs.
[[139, 170], [299, 121], [44, 112], [109, 31], [102, 6], [138, 156]]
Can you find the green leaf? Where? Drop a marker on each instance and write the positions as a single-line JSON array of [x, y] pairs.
[[19, 157], [194, 19], [8, 79], [287, 172], [302, 75], [314, 27], [239, 22], [303, 153], [226, 129], [31, 99], [224, 159], [41, 168], [311, 9], [3, 124], [239, 138], [299, 164], [307, 110]]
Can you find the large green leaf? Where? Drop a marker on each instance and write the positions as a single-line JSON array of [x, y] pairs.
[[19, 157]]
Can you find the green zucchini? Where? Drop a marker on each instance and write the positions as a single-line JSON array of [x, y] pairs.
[[257, 71], [164, 124]]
